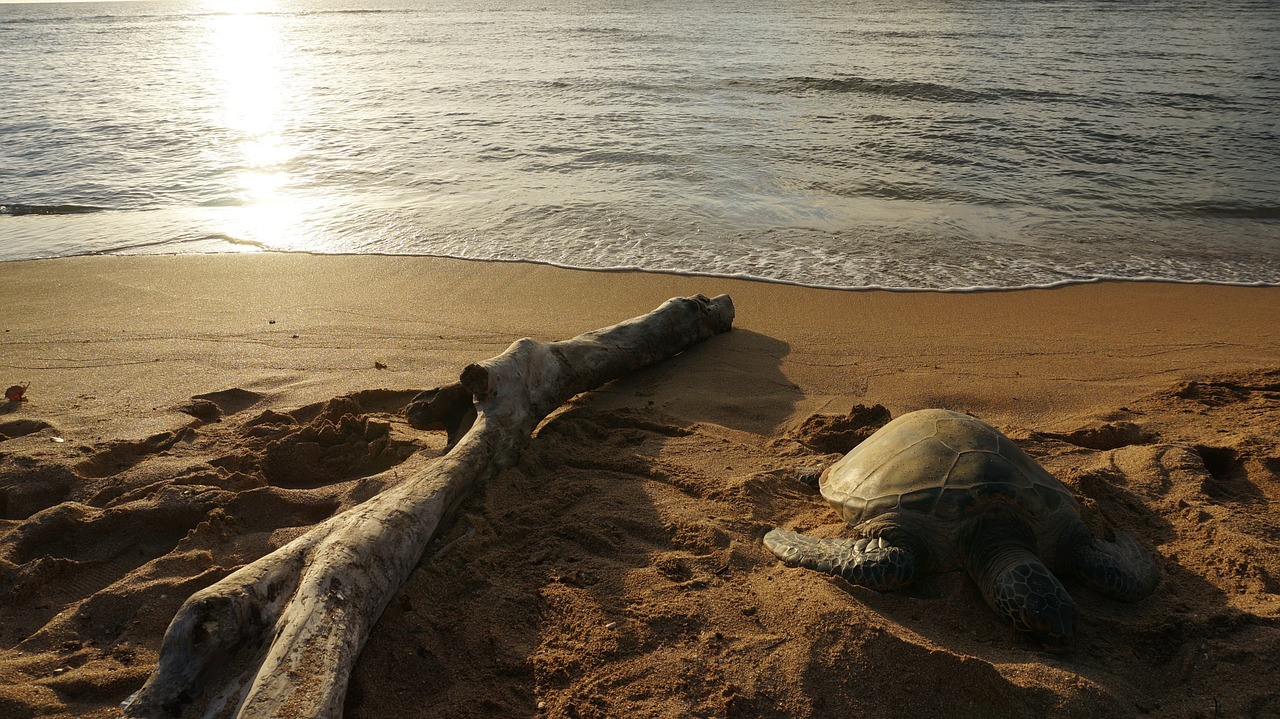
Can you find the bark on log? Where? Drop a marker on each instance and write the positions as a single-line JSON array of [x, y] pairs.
[[278, 637]]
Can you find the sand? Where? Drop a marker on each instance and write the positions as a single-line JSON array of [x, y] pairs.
[[187, 415]]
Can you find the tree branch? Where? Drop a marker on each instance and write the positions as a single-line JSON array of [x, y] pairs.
[[278, 637]]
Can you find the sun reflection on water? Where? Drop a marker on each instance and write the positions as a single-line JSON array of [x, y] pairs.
[[254, 104]]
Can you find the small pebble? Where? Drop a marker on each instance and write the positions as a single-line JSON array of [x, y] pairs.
[[611, 625]]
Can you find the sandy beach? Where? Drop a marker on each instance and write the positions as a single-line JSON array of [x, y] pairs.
[[617, 571]]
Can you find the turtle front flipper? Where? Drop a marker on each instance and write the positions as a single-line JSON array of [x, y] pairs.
[[872, 563], [1121, 569]]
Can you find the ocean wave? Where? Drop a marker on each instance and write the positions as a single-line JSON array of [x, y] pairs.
[[203, 243], [908, 89], [1192, 101], [905, 89], [16, 209], [354, 11], [54, 19], [1229, 210], [128, 17]]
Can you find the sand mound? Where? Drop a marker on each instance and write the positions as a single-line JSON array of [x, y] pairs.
[[618, 570]]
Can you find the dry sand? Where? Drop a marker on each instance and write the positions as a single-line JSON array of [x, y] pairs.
[[618, 570]]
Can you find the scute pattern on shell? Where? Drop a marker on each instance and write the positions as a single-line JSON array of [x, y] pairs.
[[943, 464]]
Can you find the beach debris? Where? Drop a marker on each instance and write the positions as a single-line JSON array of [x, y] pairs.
[[379, 365], [17, 393], [942, 490], [205, 410], [296, 615]]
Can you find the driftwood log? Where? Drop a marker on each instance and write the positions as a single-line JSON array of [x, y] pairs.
[[279, 637]]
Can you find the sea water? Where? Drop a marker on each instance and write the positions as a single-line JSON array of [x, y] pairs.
[[844, 143]]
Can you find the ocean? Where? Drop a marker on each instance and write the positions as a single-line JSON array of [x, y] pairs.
[[922, 144]]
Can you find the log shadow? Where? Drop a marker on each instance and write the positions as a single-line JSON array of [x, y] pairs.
[[733, 380], [586, 581]]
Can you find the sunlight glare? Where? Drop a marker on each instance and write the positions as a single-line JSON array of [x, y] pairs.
[[255, 106]]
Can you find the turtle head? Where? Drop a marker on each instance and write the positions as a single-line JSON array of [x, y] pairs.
[[998, 548], [1032, 598]]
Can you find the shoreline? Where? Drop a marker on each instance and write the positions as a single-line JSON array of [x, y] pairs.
[[1070, 282], [622, 555]]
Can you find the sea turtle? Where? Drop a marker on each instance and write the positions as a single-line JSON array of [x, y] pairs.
[[935, 490]]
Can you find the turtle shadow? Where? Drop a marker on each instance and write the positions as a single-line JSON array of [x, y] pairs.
[[1126, 658], [877, 668]]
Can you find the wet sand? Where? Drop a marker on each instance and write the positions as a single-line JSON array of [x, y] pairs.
[[618, 570]]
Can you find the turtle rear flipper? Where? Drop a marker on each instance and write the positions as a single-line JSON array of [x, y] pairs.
[[872, 563], [1121, 569]]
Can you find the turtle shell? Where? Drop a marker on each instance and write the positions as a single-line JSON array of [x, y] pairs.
[[943, 464]]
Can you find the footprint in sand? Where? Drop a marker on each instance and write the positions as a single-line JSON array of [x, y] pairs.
[[1228, 478], [213, 406], [119, 456], [1103, 436], [28, 486], [21, 427], [72, 550]]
